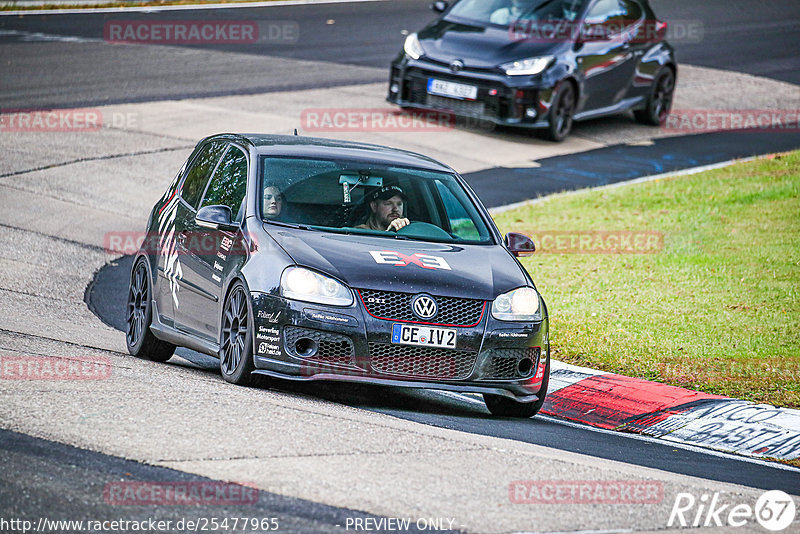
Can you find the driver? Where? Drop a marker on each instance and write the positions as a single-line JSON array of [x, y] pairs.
[[505, 15], [386, 209], [273, 202]]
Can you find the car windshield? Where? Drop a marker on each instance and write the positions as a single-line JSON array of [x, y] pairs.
[[508, 12], [359, 197]]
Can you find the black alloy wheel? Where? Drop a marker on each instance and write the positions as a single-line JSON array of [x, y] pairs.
[[659, 102], [236, 343], [140, 340]]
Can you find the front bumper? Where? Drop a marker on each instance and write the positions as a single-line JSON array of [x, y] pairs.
[[302, 341], [518, 101]]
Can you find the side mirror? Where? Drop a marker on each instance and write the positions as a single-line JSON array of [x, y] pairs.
[[216, 217], [439, 6], [519, 244]]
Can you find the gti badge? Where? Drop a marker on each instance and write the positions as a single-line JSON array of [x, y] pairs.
[[423, 306], [456, 65]]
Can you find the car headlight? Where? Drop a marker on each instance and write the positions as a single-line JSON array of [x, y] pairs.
[[412, 47], [532, 65], [521, 304], [303, 284]]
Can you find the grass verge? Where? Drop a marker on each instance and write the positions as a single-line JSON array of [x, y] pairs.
[[714, 305]]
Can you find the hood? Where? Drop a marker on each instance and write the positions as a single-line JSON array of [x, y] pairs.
[[365, 262], [478, 46]]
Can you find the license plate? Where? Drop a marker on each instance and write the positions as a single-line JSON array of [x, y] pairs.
[[453, 90], [426, 336]]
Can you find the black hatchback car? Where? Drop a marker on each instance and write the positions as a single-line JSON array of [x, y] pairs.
[[311, 259], [538, 63]]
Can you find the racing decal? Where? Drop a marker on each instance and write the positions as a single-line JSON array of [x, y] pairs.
[[269, 317], [392, 257], [267, 340], [167, 246]]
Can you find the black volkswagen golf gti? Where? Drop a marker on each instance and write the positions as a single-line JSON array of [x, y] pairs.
[[311, 259], [538, 63]]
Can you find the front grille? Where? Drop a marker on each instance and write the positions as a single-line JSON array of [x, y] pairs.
[[421, 362], [459, 107], [331, 348], [394, 306], [504, 362]]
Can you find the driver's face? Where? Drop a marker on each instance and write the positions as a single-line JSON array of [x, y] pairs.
[[387, 210]]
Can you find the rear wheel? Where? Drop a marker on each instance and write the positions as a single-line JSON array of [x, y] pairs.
[[236, 343], [140, 340], [659, 101], [501, 406], [559, 122]]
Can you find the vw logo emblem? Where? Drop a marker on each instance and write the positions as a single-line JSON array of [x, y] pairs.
[[423, 306], [456, 65]]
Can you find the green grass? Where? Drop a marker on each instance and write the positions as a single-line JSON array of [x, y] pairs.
[[717, 309]]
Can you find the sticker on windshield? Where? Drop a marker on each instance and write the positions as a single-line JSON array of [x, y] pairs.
[[392, 257]]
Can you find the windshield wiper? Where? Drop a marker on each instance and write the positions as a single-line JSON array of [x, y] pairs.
[[289, 225]]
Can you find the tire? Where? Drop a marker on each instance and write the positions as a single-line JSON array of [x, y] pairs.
[[659, 101], [559, 121], [236, 337], [504, 407], [140, 340]]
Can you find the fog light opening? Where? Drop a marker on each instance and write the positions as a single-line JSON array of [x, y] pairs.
[[530, 113], [394, 88], [525, 366], [305, 347]]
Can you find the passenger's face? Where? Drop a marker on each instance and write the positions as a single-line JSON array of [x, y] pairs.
[[387, 210], [273, 204]]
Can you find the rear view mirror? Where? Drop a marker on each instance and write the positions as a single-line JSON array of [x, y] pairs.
[[519, 244], [439, 6]]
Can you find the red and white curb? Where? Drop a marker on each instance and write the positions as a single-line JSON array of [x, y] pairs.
[[617, 402]]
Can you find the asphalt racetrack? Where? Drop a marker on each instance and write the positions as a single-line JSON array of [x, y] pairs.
[[320, 456]]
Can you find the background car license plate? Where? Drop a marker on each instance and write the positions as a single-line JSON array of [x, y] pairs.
[[455, 90], [428, 336]]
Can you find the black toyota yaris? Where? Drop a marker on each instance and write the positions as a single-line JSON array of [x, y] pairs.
[[538, 63], [311, 259]]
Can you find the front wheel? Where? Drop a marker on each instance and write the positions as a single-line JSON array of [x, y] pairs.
[[140, 340], [236, 340], [504, 407], [659, 101], [559, 121]]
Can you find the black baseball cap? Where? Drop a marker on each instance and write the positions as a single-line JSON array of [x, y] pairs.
[[388, 191]]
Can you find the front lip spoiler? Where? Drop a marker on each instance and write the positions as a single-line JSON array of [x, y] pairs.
[[516, 123], [400, 383]]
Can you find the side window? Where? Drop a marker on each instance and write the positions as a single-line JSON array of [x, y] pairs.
[[229, 183], [200, 170], [460, 222]]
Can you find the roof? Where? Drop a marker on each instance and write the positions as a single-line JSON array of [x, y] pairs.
[[298, 145]]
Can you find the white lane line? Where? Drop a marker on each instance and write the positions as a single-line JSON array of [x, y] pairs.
[[37, 37], [650, 178], [679, 445], [156, 9]]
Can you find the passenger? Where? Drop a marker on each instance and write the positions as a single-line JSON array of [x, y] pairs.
[[273, 202], [386, 209]]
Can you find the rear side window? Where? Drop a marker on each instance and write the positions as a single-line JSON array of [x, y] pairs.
[[199, 171], [229, 183]]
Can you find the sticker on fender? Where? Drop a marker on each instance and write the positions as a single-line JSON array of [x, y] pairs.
[[427, 336]]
